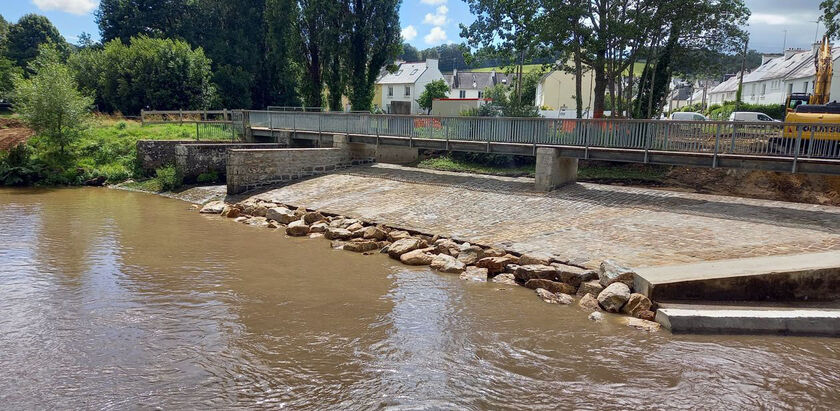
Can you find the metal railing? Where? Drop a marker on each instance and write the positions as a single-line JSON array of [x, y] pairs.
[[711, 137], [184, 116]]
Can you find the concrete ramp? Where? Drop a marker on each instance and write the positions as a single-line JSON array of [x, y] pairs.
[[801, 277], [750, 319]]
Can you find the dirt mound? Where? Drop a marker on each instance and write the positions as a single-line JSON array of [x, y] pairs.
[[804, 188], [13, 132]]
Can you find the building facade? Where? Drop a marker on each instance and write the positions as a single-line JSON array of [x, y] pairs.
[[402, 88]]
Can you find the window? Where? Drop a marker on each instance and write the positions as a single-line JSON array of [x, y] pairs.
[[390, 92], [805, 87], [763, 89], [764, 117], [413, 72], [480, 94], [462, 94], [790, 88], [407, 91]]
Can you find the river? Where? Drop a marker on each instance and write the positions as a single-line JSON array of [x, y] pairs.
[[115, 300]]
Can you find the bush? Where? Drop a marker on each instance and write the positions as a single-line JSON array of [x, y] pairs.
[[208, 178], [722, 112], [168, 178], [17, 168]]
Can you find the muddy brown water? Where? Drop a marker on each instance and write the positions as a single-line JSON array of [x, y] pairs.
[[119, 300]]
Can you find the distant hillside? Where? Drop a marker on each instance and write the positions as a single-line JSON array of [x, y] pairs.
[[637, 69]]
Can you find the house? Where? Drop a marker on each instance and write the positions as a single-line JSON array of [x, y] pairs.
[[556, 93], [472, 84], [778, 76], [402, 88], [456, 106]]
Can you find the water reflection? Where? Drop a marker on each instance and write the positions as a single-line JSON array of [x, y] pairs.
[[123, 300]]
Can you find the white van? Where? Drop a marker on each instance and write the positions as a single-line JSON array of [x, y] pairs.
[[687, 116], [750, 116]]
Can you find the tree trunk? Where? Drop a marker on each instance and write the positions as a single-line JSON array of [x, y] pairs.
[[600, 86], [578, 79]]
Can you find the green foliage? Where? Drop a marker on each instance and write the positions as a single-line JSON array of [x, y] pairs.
[[479, 163], [17, 167], [210, 177], [8, 71], [25, 37], [502, 105], [831, 13], [433, 90], [722, 112], [409, 53], [374, 42], [50, 103], [148, 73], [168, 178]]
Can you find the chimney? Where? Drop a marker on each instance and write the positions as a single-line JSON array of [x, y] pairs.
[[432, 63], [769, 56], [791, 52]]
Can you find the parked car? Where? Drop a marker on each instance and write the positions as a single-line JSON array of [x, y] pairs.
[[688, 116], [751, 116]]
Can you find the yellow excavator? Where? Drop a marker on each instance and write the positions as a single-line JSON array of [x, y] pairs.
[[815, 108]]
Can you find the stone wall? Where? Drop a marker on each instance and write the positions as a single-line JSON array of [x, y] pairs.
[[154, 154], [194, 159], [249, 169]]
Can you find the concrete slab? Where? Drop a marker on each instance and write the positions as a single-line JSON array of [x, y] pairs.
[[750, 320], [814, 276]]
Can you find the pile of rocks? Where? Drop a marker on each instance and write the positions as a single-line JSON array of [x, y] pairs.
[[609, 289]]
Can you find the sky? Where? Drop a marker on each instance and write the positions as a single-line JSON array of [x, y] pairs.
[[428, 23]]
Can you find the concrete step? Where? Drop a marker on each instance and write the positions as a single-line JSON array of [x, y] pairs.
[[739, 318], [801, 277]]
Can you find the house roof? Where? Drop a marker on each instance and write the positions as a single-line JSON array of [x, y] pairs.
[[407, 73], [731, 84], [473, 80], [791, 67]]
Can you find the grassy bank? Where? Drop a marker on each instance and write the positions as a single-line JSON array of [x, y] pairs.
[[105, 150], [588, 171]]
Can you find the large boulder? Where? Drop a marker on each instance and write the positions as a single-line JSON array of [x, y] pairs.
[[534, 259], [260, 210], [553, 298], [636, 305], [355, 227], [396, 235], [588, 302], [494, 252], [506, 279], [553, 286], [592, 287], [535, 271], [374, 233], [281, 215], [641, 324], [230, 212], [570, 274], [313, 217], [319, 227], [297, 229], [611, 272], [334, 233], [417, 257], [494, 265], [614, 297], [470, 255], [473, 273], [403, 246], [361, 246], [447, 247], [213, 207], [446, 263]]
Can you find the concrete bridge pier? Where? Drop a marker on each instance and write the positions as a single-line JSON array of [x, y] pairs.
[[552, 170], [381, 153]]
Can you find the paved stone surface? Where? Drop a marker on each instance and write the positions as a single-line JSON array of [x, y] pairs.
[[583, 223]]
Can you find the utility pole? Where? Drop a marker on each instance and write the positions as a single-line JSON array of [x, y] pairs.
[[784, 43], [740, 95]]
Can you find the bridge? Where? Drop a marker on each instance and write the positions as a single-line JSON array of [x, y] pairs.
[[559, 143]]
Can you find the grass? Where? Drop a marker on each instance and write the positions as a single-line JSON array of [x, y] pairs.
[[593, 172]]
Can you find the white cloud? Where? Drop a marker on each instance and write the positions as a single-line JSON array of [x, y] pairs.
[[437, 19], [408, 33], [79, 7], [433, 2], [434, 19], [436, 36], [770, 19]]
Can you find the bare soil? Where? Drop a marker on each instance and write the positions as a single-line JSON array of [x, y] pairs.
[[13, 132]]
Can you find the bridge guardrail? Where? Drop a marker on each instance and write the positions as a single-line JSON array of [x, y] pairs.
[[801, 140]]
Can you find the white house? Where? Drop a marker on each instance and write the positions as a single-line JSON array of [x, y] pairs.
[[402, 88], [777, 77], [472, 84]]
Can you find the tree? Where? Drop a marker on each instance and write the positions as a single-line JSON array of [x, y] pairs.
[[831, 17], [409, 53], [373, 30], [433, 90], [28, 34], [50, 102], [147, 73], [4, 31], [279, 75], [320, 26], [8, 71], [508, 30], [124, 19]]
